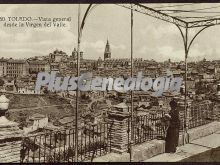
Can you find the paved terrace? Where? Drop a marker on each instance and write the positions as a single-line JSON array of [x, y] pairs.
[[205, 149]]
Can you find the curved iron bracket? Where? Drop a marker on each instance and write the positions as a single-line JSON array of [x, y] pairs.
[[197, 35], [185, 37], [88, 10], [84, 17]]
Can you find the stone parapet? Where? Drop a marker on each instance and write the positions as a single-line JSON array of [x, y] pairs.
[[185, 115], [119, 131], [141, 152], [10, 141]]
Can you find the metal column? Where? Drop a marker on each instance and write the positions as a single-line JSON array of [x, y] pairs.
[[77, 91], [132, 133]]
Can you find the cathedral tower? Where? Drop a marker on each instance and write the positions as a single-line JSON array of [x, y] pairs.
[[107, 53]]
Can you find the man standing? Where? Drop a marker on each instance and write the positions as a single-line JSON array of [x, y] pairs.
[[172, 137]]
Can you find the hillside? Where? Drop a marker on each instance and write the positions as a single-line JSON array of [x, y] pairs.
[[18, 101], [54, 106]]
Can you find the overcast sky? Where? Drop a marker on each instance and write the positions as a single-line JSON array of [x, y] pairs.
[[153, 39]]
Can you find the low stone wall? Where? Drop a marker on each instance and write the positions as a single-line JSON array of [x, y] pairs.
[[152, 148], [140, 152], [204, 130], [148, 149], [198, 132]]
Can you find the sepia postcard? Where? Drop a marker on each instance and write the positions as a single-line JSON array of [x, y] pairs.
[[109, 82]]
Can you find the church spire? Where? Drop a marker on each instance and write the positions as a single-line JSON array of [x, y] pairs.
[[107, 53]]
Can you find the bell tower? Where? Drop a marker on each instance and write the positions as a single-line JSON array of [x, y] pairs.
[[107, 53]]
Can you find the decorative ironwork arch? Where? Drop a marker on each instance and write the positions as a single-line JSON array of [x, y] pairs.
[[156, 14]]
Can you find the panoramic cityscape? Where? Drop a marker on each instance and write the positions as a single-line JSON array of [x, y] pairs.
[[54, 125]]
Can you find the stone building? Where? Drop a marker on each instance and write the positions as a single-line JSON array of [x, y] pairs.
[[85, 64], [36, 66], [13, 67], [27, 89], [16, 68], [56, 58], [3, 67], [109, 62], [74, 54]]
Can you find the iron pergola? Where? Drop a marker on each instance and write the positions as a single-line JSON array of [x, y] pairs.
[[184, 20]]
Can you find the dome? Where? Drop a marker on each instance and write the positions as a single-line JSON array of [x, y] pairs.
[[4, 102]]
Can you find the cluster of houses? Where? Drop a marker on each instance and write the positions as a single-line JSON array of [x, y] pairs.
[[20, 75]]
